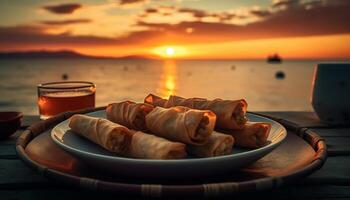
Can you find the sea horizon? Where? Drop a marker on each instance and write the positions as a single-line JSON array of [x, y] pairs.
[[56, 54]]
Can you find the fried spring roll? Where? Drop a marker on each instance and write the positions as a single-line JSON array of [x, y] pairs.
[[155, 100], [124, 142], [218, 144], [181, 124], [148, 146], [254, 135], [231, 114], [111, 136], [129, 114]]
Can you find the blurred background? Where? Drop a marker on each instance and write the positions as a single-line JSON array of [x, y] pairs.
[[260, 50]]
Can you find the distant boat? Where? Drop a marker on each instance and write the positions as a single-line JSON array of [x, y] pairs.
[[280, 75], [64, 76], [275, 58]]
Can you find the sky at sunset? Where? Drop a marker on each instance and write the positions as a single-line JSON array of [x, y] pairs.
[[194, 29]]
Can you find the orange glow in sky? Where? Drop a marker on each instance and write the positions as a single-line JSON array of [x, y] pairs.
[[313, 47], [200, 29], [334, 46]]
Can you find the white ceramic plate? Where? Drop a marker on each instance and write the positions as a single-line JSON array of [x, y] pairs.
[[100, 158]]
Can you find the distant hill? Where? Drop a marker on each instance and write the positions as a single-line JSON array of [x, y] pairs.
[[136, 57], [62, 54], [43, 54]]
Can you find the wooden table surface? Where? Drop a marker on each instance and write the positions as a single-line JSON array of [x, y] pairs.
[[17, 181]]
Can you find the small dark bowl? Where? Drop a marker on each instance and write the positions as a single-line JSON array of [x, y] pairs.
[[9, 123]]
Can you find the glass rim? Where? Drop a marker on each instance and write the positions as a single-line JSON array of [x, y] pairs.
[[49, 85]]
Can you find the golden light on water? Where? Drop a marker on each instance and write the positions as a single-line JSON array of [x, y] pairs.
[[167, 84], [170, 51], [170, 85]]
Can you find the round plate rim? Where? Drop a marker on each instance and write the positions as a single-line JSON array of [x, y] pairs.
[[154, 161]]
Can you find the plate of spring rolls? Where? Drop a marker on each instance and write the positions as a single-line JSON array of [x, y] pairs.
[[162, 138]]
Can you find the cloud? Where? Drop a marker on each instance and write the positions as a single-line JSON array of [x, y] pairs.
[[65, 22], [159, 10], [63, 8], [311, 4], [285, 3], [17, 37], [226, 16], [190, 14], [322, 19], [260, 13], [294, 4], [128, 2], [123, 2], [195, 12], [151, 10], [297, 22]]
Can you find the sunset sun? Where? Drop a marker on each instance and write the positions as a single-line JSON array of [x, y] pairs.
[[170, 51]]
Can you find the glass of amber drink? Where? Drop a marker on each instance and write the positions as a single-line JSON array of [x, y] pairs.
[[58, 97]]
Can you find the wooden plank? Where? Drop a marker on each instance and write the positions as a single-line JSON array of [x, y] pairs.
[[332, 132], [290, 192], [334, 171], [16, 172], [7, 152], [337, 140], [57, 194], [339, 150], [303, 119], [308, 192]]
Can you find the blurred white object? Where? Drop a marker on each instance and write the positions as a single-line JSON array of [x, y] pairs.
[[330, 96]]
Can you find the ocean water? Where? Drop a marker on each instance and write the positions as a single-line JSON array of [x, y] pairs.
[[119, 80]]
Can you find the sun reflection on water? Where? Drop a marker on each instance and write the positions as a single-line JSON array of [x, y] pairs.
[[167, 85]]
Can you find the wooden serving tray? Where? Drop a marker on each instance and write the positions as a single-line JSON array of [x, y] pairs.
[[302, 153]]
